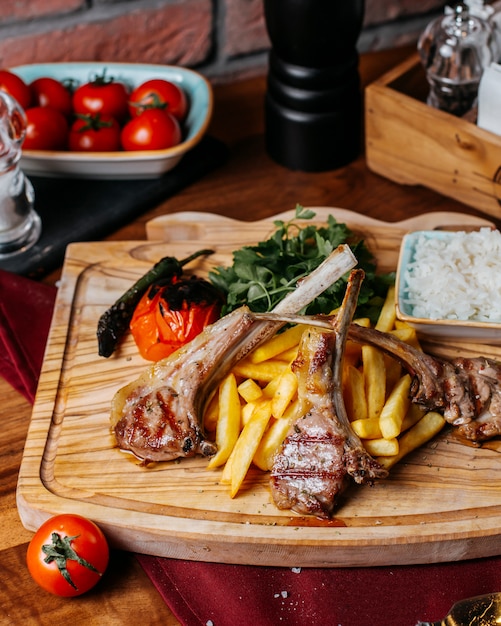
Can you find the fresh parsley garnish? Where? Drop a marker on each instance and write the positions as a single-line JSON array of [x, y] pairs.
[[262, 275]]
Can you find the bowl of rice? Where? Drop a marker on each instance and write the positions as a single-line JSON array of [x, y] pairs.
[[448, 284]]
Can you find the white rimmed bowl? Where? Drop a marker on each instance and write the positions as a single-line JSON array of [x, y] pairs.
[[461, 330], [112, 165]]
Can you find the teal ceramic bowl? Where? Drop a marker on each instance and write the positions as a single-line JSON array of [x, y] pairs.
[[451, 330], [144, 164]]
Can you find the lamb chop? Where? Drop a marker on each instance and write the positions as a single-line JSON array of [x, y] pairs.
[[158, 416], [466, 391], [321, 450]]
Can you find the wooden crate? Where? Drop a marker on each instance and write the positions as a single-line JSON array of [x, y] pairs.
[[412, 143]]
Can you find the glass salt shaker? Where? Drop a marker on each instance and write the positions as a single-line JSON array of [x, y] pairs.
[[20, 224], [455, 49]]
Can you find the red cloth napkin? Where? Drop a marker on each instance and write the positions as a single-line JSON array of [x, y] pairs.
[[25, 313], [213, 594]]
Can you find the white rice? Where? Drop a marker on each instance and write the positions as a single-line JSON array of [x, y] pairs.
[[455, 277]]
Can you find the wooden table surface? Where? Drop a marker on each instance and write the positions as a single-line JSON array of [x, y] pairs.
[[249, 186]]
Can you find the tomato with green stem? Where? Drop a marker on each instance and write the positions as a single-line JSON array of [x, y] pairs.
[[102, 95], [68, 555], [152, 130], [158, 93], [94, 133]]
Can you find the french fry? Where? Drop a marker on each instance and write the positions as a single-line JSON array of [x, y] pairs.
[[284, 394], [354, 394], [289, 338], [375, 380], [395, 408], [289, 355], [226, 475], [352, 354], [211, 413], [408, 335], [399, 324], [387, 316], [424, 430], [228, 423], [382, 447], [393, 371], [413, 415], [292, 410], [253, 407], [246, 412], [273, 438], [367, 428], [271, 387], [265, 371], [249, 390], [353, 351], [363, 321], [247, 444]]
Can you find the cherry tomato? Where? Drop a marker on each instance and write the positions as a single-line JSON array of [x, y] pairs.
[[94, 133], [47, 129], [159, 94], [152, 130], [49, 92], [170, 315], [16, 87], [102, 95], [68, 555]]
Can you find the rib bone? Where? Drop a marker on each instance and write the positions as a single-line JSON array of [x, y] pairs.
[[158, 416]]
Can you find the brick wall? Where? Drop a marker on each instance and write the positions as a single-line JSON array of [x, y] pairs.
[[223, 39]]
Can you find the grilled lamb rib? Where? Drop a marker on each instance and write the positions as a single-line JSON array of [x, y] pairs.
[[466, 391], [158, 416], [321, 450]]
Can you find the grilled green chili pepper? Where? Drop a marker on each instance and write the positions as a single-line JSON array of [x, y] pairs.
[[114, 322]]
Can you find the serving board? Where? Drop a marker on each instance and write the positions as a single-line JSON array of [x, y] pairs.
[[442, 503]]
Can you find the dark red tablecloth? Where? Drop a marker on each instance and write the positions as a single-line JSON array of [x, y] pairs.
[[213, 594], [201, 594]]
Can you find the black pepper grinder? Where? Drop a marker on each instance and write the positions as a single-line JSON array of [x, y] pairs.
[[313, 106]]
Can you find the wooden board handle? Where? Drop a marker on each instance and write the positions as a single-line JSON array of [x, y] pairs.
[[193, 225]]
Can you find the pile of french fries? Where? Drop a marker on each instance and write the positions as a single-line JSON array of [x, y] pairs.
[[251, 412]]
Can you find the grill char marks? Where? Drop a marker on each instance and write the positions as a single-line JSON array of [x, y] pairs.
[[308, 473], [157, 432]]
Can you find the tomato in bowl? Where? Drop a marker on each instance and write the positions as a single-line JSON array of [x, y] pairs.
[[121, 164]]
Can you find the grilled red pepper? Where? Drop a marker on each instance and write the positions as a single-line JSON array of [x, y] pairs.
[[115, 321], [172, 313]]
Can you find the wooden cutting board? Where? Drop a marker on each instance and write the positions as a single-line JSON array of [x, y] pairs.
[[442, 503]]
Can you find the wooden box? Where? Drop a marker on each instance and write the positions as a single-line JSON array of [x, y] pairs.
[[412, 143]]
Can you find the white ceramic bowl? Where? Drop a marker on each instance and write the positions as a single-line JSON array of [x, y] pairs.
[[112, 165], [439, 329]]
